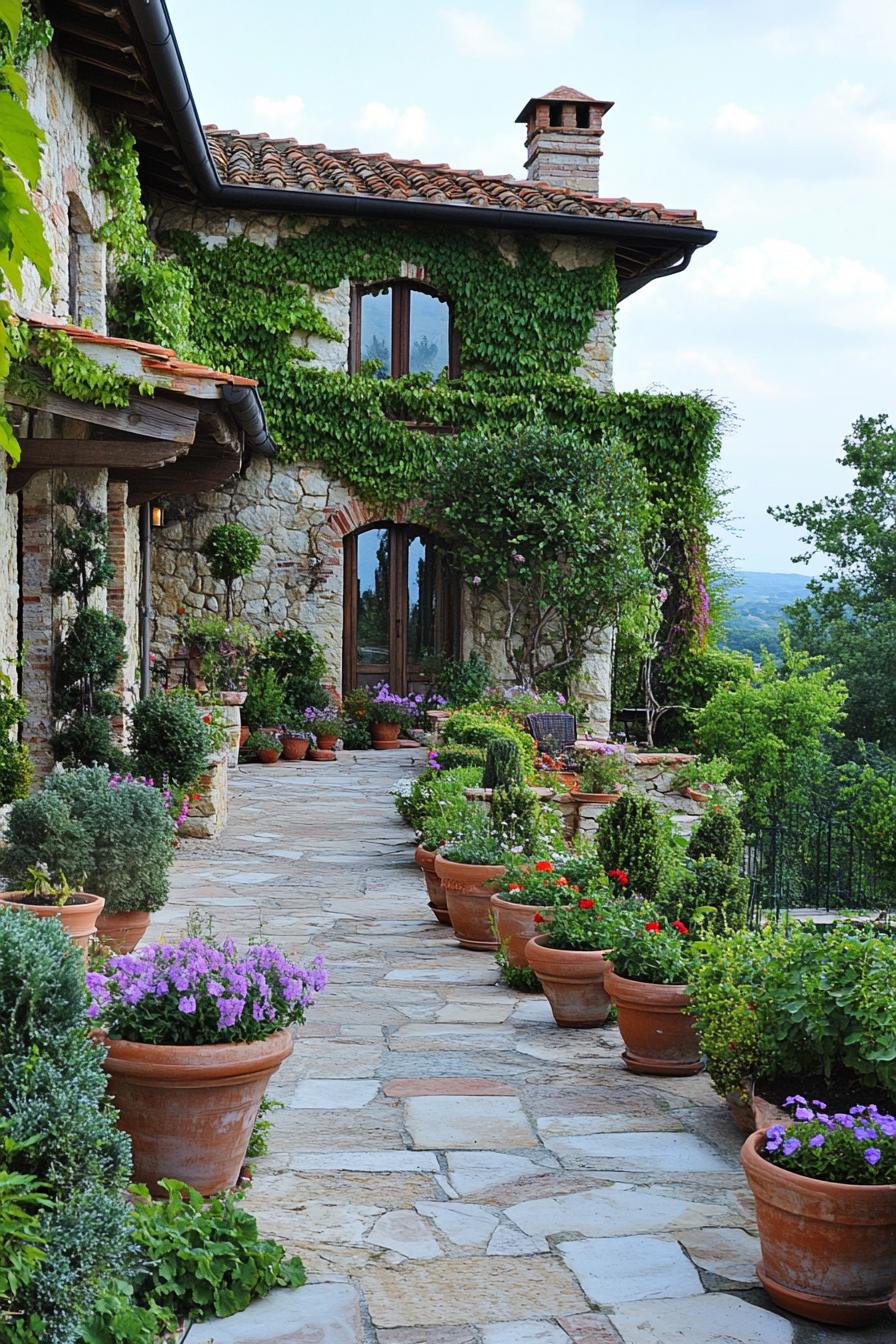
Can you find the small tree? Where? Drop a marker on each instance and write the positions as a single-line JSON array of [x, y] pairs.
[[551, 524], [231, 550]]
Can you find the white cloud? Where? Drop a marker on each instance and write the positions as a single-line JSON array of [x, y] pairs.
[[282, 116], [554, 20], [839, 291], [405, 128], [864, 26], [731, 374], [474, 35], [732, 119]]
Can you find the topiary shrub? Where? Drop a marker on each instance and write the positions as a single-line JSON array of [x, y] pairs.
[[54, 1110], [709, 895], [86, 739], [109, 833], [717, 835], [453, 756], [630, 837], [169, 740], [231, 550], [503, 767], [474, 729]]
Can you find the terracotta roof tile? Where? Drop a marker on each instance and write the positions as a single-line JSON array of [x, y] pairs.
[[153, 358], [283, 164]]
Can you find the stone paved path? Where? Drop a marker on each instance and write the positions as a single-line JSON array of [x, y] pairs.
[[452, 1167]]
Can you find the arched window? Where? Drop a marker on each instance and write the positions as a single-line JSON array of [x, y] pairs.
[[404, 326]]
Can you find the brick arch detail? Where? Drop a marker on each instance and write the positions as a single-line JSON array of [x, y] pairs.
[[342, 519]]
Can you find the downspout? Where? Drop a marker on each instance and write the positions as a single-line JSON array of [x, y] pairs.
[[146, 612]]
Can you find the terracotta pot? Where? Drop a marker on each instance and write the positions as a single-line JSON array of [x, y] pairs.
[[317, 754], [244, 733], [516, 927], [122, 932], [827, 1248], [384, 735], [468, 888], [326, 741], [79, 921], [425, 860], [573, 983], [659, 1038], [560, 779], [754, 1113], [190, 1109], [695, 795], [268, 755], [606, 798], [295, 748]]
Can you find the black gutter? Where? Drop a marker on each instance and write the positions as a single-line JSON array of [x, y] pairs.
[[154, 23], [245, 405]]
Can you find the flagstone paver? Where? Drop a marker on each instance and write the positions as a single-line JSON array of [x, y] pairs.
[[452, 1167]]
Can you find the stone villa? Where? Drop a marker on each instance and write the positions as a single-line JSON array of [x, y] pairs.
[[200, 451]]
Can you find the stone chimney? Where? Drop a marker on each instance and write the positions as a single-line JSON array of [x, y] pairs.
[[563, 131]]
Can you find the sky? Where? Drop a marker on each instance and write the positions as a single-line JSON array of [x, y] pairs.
[[776, 121]]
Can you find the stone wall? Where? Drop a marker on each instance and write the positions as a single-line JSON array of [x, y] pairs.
[[56, 102], [301, 515], [9, 573]]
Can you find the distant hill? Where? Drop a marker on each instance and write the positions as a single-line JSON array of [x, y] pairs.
[[757, 603]]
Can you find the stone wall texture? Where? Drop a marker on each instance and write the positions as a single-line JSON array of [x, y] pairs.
[[301, 515], [9, 574]]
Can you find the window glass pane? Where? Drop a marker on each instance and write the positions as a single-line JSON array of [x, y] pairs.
[[421, 600], [428, 343], [376, 331], [373, 596]]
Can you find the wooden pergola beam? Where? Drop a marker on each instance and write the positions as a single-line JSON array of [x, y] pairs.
[[150, 417], [45, 454]]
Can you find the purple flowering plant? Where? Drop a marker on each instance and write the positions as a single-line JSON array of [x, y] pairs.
[[202, 992], [854, 1147]]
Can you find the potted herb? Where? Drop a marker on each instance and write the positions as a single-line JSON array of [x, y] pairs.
[[699, 780], [115, 829], [296, 742], [647, 983], [470, 865], [568, 953], [825, 1191], [49, 896], [266, 749], [527, 890], [195, 1030], [326, 726], [602, 770]]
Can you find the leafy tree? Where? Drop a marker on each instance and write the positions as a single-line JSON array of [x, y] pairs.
[[550, 525], [774, 729], [21, 232], [849, 616], [231, 550]]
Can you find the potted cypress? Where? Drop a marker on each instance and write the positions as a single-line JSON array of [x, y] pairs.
[[195, 1030], [825, 1191], [647, 983]]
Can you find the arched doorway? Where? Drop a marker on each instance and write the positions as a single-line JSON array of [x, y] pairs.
[[402, 607]]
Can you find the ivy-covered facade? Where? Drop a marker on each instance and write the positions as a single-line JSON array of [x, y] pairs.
[[379, 305]]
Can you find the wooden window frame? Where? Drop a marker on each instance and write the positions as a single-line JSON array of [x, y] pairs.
[[401, 291]]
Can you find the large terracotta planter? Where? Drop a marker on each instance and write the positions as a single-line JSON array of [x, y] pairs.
[[244, 733], [827, 1249], [468, 888], [516, 927], [79, 921], [121, 933], [295, 748], [573, 983], [190, 1109], [268, 755], [425, 860], [384, 736], [659, 1038], [326, 741]]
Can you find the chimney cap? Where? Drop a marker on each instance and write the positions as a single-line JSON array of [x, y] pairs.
[[564, 94]]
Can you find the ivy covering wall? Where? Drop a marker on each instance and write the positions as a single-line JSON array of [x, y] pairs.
[[521, 320]]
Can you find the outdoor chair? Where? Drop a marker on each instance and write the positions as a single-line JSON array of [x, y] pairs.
[[552, 732]]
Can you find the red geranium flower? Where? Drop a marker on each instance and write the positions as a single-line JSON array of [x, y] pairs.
[[544, 866], [653, 927], [538, 917], [620, 876], [562, 882], [586, 903], [682, 928], [206, 718], [514, 886]]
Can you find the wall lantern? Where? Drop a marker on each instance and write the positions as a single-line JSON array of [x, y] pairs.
[[157, 515]]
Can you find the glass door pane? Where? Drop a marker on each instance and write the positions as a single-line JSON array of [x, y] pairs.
[[421, 600], [373, 601]]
